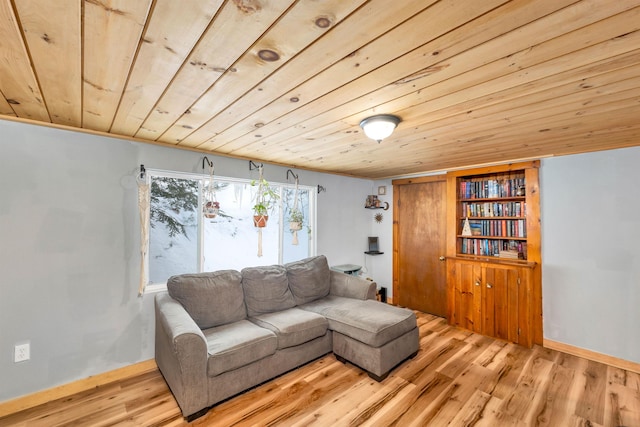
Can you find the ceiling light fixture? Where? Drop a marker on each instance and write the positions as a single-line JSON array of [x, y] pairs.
[[379, 127]]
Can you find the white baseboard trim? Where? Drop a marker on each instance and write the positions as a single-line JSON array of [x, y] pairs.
[[65, 390], [592, 355]]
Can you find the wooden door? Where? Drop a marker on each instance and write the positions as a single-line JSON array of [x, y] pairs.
[[419, 244]]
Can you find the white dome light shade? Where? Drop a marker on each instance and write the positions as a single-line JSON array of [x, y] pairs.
[[379, 127]]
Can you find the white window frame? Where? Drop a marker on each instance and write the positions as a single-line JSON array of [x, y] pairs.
[[162, 286]]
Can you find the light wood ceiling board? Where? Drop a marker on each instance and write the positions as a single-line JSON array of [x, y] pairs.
[[52, 30], [17, 80], [568, 83], [493, 77], [308, 21], [624, 65], [162, 53], [522, 125], [441, 17], [475, 154], [557, 69], [112, 31], [486, 51], [518, 140], [345, 38], [421, 60], [601, 139], [237, 25], [618, 111], [5, 108], [559, 98], [524, 142]]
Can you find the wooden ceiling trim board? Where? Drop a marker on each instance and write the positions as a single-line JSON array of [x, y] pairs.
[[308, 21], [237, 24], [163, 52], [387, 47], [18, 82], [53, 34], [445, 68], [107, 65], [332, 47]]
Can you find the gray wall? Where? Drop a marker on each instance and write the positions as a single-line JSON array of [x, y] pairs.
[[590, 208], [69, 254], [69, 249]]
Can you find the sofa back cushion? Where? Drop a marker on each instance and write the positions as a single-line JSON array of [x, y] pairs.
[[266, 289], [211, 299], [309, 279]]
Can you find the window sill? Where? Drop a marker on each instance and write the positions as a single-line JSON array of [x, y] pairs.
[[155, 288]]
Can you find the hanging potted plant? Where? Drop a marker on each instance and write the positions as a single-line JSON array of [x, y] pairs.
[[265, 199], [296, 218], [211, 206]]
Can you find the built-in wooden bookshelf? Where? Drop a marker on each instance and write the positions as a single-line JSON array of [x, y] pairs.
[[493, 251], [494, 208]]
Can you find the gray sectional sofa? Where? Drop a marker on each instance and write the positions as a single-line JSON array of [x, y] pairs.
[[220, 333]]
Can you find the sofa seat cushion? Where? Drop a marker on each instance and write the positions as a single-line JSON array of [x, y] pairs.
[[371, 322], [309, 279], [293, 326], [266, 289], [211, 299], [237, 344]]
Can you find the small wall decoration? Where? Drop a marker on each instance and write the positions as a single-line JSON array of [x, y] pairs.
[[382, 190], [378, 218]]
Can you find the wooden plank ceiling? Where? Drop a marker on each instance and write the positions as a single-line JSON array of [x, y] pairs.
[[287, 82]]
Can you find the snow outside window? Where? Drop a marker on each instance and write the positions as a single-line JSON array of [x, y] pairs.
[[182, 240]]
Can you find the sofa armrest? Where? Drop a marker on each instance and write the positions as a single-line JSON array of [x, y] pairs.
[[347, 285], [181, 354]]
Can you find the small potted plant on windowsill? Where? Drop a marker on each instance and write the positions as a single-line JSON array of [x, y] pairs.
[[265, 199]]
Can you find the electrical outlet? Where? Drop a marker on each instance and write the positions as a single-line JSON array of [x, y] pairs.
[[22, 352]]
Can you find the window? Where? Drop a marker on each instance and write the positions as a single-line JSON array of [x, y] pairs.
[[182, 240]]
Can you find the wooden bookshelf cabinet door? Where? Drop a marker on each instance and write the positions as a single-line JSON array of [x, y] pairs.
[[467, 312], [506, 303], [493, 300]]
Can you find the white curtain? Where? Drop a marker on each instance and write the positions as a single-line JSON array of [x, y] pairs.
[[144, 202]]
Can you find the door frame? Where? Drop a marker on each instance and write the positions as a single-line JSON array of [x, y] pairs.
[[396, 212]]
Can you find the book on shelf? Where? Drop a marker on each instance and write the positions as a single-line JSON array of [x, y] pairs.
[[493, 187]]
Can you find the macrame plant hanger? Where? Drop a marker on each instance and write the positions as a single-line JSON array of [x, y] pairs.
[[294, 241], [211, 207], [144, 206], [262, 217]]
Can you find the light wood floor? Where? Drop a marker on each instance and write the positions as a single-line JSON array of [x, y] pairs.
[[458, 379]]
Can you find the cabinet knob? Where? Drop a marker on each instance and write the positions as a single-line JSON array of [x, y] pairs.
[[489, 285], [477, 283], [441, 258]]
